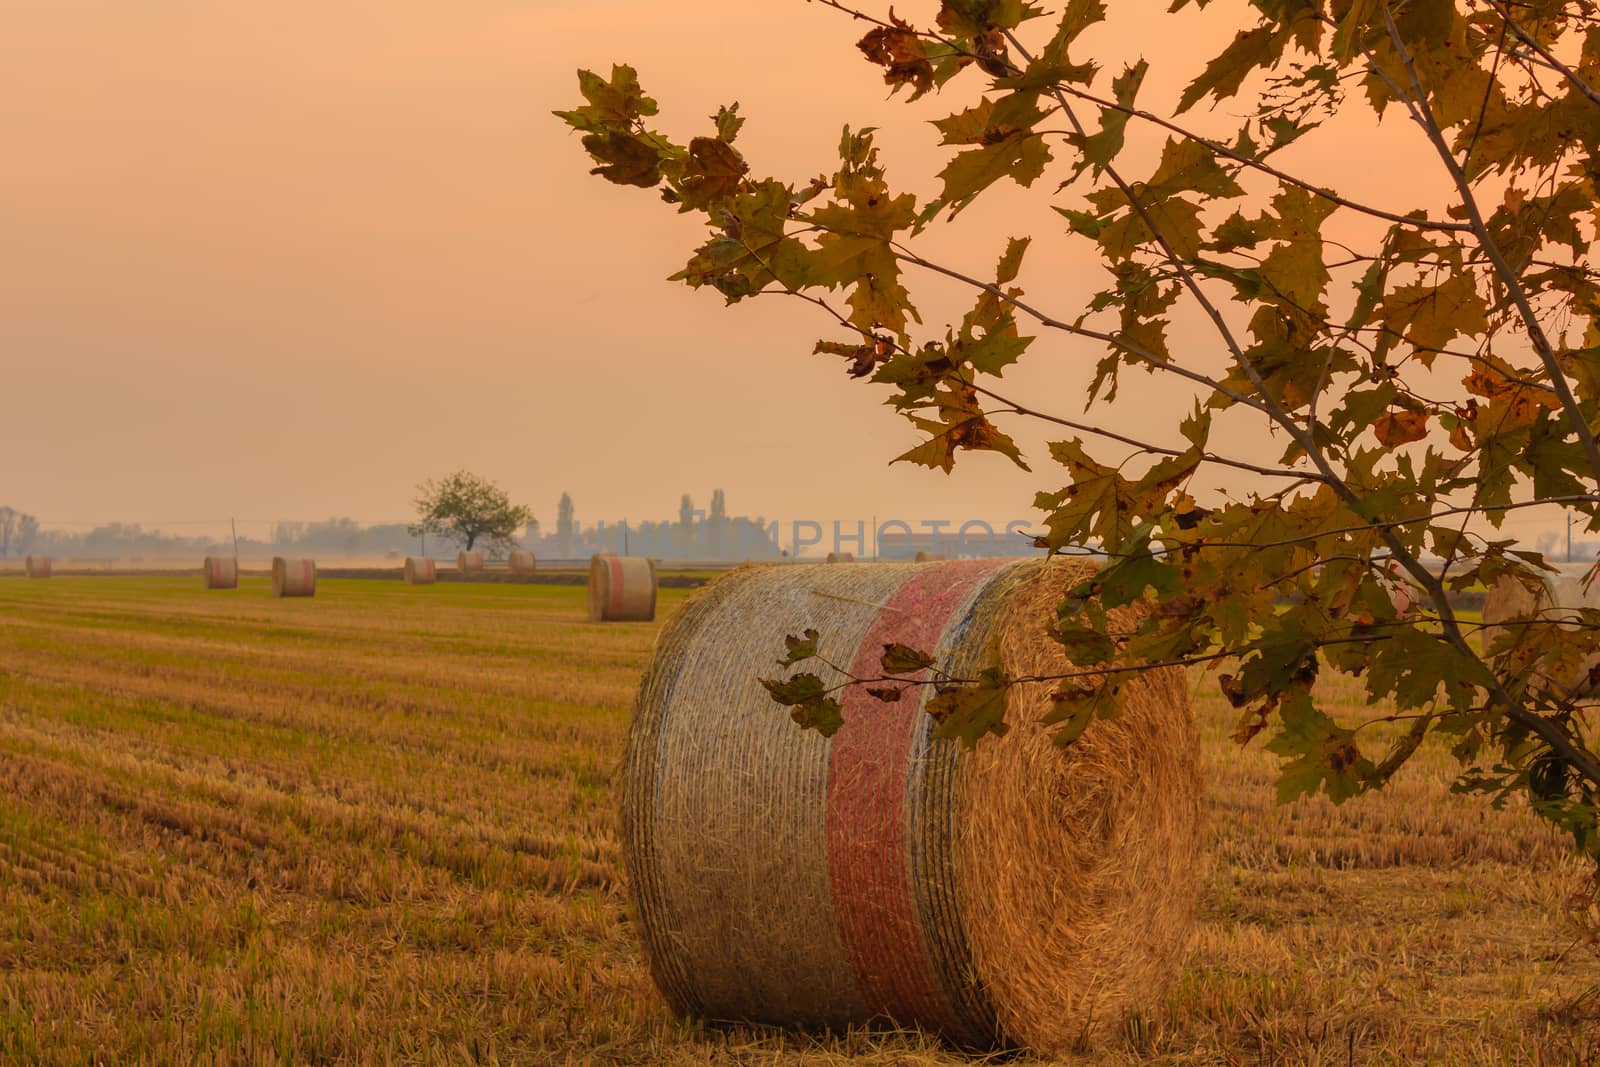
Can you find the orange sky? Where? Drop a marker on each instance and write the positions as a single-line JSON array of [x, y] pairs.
[[286, 260]]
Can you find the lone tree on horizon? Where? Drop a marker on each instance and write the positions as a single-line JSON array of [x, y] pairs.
[[1368, 378], [466, 509]]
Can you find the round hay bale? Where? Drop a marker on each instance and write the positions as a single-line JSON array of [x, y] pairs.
[[929, 557], [420, 571], [1022, 894], [841, 557], [221, 572], [469, 562], [1559, 598], [1403, 595], [38, 566], [621, 588], [522, 563], [294, 577]]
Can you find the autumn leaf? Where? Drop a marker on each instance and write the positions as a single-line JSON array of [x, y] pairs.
[[800, 648], [1399, 427], [1431, 316], [1098, 149], [808, 701], [714, 172], [1084, 645], [900, 52], [613, 104], [902, 659], [1251, 50], [1007, 148], [1318, 755], [968, 712], [624, 158]]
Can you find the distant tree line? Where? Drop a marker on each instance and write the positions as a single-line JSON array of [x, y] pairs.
[[335, 536], [17, 532], [711, 534]]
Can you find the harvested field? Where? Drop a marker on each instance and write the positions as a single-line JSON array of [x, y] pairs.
[[377, 826]]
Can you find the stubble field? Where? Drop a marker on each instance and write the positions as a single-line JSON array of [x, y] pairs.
[[376, 827]]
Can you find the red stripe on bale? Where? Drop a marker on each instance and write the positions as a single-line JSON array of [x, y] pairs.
[[869, 766], [614, 565]]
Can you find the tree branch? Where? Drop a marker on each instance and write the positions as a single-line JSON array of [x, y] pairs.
[[1266, 168], [1513, 283], [1544, 53]]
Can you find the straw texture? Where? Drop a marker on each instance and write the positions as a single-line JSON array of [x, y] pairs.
[[38, 566], [469, 562], [294, 577], [221, 572], [522, 563], [419, 571], [841, 557], [621, 588], [1022, 895]]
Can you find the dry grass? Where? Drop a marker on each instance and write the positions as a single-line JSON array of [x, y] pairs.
[[376, 826]]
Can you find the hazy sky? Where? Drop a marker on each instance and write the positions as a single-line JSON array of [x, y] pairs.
[[287, 259]]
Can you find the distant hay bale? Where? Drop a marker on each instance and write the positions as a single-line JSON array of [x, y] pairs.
[[929, 557], [1557, 599], [221, 572], [1403, 595], [621, 588], [38, 566], [1508, 599], [419, 571], [841, 557], [469, 562], [1020, 895], [294, 577], [522, 563]]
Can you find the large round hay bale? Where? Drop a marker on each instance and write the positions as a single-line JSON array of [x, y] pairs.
[[294, 577], [38, 566], [420, 571], [522, 563], [621, 588], [841, 557], [1509, 606], [469, 562], [1022, 894], [221, 572]]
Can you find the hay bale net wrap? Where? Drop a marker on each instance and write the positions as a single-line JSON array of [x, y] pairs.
[[1020, 894], [419, 571], [37, 566], [521, 563], [469, 562], [841, 557], [622, 588], [294, 577], [221, 572]]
